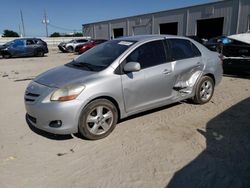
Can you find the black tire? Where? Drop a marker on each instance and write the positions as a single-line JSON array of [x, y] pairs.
[[39, 53], [93, 126], [204, 90], [70, 49], [6, 55]]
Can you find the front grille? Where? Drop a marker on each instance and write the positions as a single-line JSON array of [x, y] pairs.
[[31, 97], [32, 119]]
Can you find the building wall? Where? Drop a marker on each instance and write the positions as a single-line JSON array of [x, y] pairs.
[[168, 17], [101, 30], [244, 16], [236, 14], [224, 10]]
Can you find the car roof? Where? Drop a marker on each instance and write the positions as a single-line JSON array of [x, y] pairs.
[[140, 38], [28, 39]]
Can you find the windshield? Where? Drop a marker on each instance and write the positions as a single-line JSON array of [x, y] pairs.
[[103, 55]]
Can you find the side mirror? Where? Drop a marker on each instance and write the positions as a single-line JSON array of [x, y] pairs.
[[132, 67]]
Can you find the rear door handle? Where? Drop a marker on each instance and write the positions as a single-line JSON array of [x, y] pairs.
[[166, 71]]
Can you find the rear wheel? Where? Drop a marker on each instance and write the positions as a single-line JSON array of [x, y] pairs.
[[98, 119], [39, 53], [204, 90]]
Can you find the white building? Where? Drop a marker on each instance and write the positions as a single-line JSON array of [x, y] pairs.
[[208, 20]]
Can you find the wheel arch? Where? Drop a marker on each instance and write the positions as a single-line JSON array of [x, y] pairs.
[[211, 76], [111, 99]]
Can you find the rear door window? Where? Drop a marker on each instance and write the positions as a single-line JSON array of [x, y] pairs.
[[149, 54], [182, 49], [29, 42]]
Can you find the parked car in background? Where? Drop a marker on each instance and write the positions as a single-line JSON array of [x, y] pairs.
[[196, 38], [24, 47], [237, 54], [119, 78], [70, 45], [214, 44], [81, 48], [235, 50]]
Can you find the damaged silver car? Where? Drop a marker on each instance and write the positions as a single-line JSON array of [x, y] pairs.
[[119, 78]]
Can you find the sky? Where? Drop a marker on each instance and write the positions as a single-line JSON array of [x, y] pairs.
[[68, 16]]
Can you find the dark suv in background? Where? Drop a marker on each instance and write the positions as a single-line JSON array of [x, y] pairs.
[[24, 47]]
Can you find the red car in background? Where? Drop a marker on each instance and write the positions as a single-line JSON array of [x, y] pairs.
[[84, 47]]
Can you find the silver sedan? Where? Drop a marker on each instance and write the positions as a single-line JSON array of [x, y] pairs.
[[119, 78]]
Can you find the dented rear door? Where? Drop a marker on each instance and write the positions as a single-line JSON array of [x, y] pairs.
[[187, 65]]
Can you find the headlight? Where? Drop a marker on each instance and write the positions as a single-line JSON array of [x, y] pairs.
[[67, 93]]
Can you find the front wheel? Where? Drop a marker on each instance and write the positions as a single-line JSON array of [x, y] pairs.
[[98, 119], [204, 90], [6, 55]]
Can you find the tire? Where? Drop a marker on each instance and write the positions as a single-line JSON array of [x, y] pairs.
[[204, 90], [70, 49], [39, 53], [98, 119], [6, 55]]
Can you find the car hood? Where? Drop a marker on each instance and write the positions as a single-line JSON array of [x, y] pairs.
[[62, 76], [243, 37]]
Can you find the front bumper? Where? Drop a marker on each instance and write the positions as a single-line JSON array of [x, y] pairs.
[[62, 48], [40, 115]]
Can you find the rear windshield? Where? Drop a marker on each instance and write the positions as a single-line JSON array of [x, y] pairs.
[[103, 55]]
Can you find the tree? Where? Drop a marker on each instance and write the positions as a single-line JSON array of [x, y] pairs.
[[55, 34], [10, 33], [78, 34]]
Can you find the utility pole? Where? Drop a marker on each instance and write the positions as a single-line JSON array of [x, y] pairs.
[[21, 13], [20, 32], [46, 22]]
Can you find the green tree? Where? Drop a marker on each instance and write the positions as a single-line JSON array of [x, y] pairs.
[[10, 33], [78, 34], [55, 34]]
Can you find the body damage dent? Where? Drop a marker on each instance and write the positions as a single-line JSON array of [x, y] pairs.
[[186, 81]]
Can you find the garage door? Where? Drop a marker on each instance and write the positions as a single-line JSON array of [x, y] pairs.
[[208, 28]]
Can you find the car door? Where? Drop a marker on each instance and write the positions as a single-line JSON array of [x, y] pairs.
[[188, 64], [30, 47], [151, 85], [18, 48]]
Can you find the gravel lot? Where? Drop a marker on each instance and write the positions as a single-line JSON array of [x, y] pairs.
[[182, 145]]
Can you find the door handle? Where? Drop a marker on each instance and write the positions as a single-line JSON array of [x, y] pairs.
[[166, 71]]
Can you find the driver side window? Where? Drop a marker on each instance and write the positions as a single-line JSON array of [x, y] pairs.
[[149, 54]]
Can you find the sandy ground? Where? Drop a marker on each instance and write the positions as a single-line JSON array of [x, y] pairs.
[[182, 145]]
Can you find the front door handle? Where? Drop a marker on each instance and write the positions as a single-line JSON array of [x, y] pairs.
[[166, 71]]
